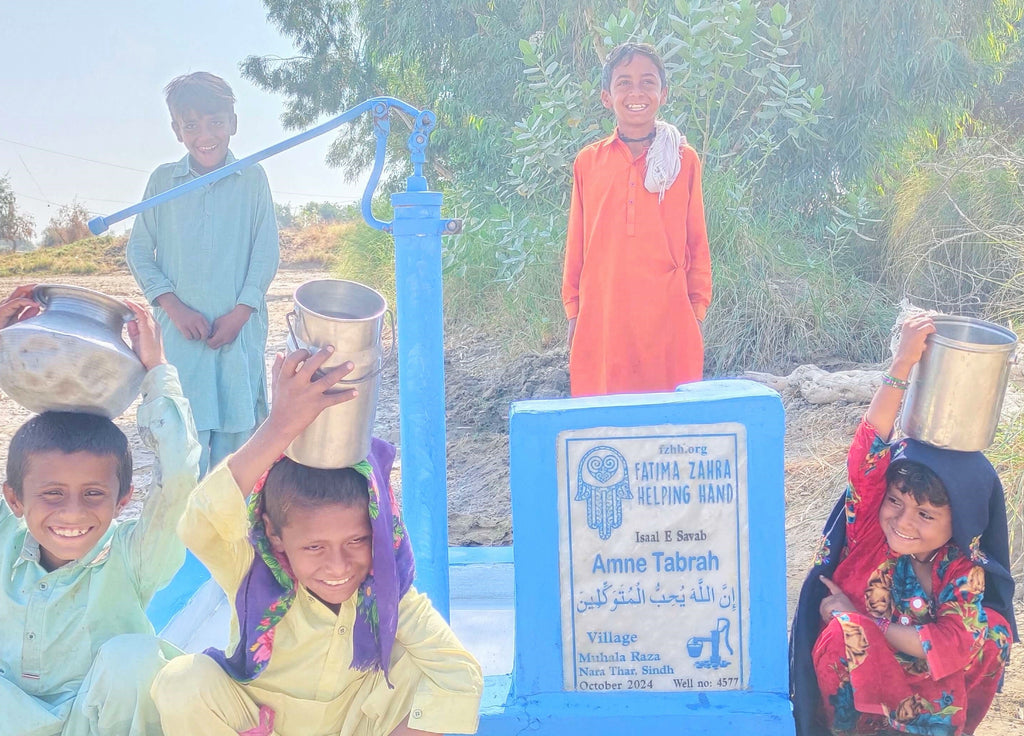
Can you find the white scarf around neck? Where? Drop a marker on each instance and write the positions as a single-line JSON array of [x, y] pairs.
[[663, 159]]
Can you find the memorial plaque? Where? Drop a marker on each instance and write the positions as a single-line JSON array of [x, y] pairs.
[[653, 558]]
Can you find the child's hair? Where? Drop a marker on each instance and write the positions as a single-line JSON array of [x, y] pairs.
[[906, 476], [69, 432], [623, 54], [199, 92], [291, 484]]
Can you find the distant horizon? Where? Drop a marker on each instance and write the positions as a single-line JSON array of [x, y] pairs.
[[60, 142]]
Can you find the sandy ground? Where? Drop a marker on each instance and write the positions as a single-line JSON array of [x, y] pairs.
[[480, 383]]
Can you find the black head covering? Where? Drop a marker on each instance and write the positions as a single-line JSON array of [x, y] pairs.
[[979, 530], [979, 515], [803, 680]]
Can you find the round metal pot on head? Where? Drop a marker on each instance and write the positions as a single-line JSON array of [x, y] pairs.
[[350, 316], [71, 356], [956, 391]]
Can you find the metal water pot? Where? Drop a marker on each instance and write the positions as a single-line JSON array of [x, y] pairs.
[[71, 356], [350, 316], [956, 390]]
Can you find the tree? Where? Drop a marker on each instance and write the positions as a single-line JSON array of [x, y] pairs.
[[13, 224], [458, 58], [284, 215], [901, 78], [732, 92], [817, 104], [809, 117], [70, 224]]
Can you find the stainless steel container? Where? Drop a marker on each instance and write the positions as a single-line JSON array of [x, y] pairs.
[[350, 316], [70, 356], [956, 391]]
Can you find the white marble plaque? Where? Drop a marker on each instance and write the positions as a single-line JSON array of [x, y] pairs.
[[653, 558]]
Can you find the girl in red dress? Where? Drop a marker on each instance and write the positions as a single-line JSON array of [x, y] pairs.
[[891, 634]]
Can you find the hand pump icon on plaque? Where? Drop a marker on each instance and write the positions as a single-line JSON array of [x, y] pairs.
[[715, 638]]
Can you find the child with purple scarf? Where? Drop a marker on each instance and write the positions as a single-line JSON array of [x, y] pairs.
[[328, 635]]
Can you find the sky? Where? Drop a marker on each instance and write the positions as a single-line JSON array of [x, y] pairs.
[[82, 114]]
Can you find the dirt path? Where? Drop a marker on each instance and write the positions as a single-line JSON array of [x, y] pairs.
[[479, 387]]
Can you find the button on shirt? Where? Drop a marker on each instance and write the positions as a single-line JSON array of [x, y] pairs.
[[53, 623]]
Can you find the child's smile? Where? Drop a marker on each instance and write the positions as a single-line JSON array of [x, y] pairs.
[[635, 95], [912, 527], [328, 547], [206, 137], [68, 501]]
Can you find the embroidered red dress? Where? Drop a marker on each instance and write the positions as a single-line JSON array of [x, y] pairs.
[[868, 687]]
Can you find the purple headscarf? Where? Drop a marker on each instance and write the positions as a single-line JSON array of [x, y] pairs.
[[268, 589]]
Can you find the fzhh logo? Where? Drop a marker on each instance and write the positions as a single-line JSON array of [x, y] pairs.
[[602, 481]]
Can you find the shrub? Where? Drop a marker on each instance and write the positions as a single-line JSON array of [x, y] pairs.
[[956, 232], [71, 223]]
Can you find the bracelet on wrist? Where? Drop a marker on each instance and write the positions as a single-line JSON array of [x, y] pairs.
[[896, 383], [883, 624]]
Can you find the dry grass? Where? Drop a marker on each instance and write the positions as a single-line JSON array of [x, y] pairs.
[[956, 244], [1007, 454], [316, 246], [366, 255], [101, 255], [817, 438], [956, 236]]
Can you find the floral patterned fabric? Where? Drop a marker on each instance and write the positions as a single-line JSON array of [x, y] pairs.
[[868, 687], [268, 591]]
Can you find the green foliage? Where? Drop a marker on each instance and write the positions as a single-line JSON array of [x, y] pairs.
[[739, 95], [780, 301], [1007, 454], [822, 126], [313, 213], [285, 215], [731, 92], [327, 74], [902, 79], [916, 188], [453, 57], [13, 224], [956, 231], [367, 255]]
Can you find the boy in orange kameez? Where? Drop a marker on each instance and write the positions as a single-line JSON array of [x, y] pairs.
[[637, 277]]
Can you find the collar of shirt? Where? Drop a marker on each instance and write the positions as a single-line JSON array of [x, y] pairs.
[[96, 556], [320, 611], [183, 169], [621, 146]]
